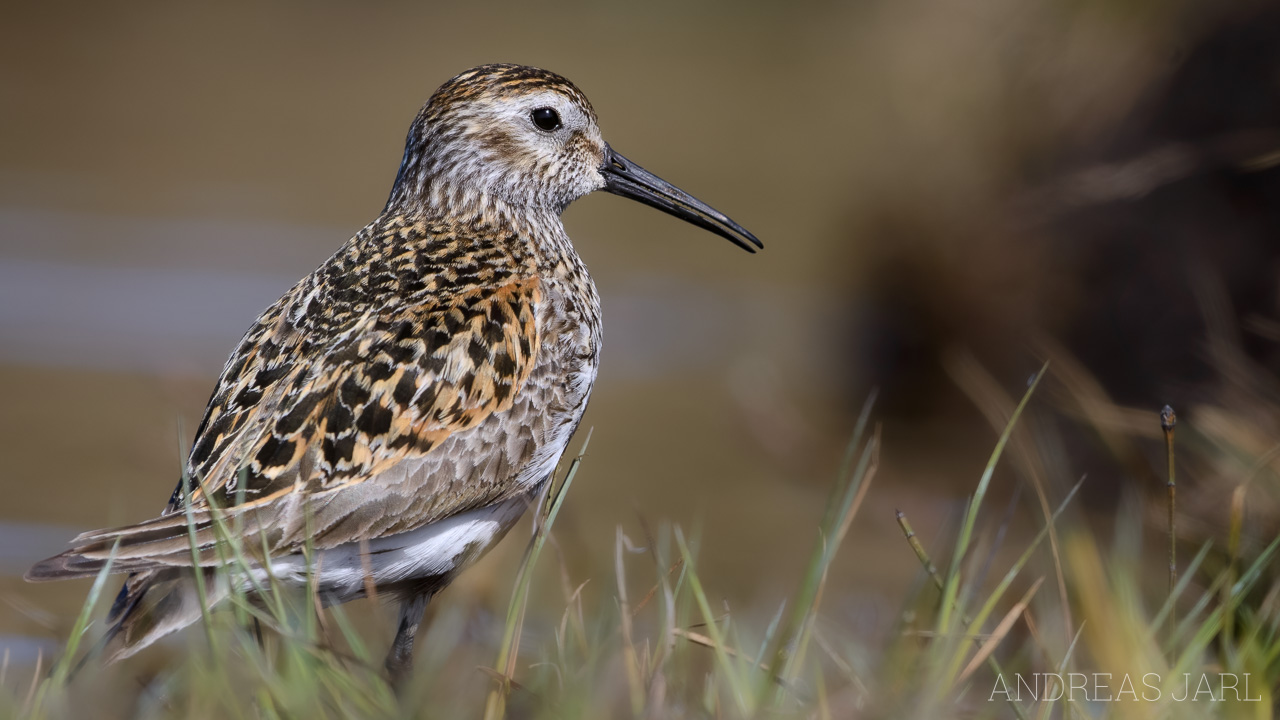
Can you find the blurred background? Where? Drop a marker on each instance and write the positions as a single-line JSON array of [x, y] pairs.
[[950, 194]]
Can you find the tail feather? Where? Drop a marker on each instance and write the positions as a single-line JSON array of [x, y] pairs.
[[77, 564], [151, 605], [160, 595], [164, 542]]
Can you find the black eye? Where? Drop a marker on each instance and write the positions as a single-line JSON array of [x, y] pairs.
[[546, 119]]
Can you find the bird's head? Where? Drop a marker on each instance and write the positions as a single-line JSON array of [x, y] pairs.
[[528, 137]]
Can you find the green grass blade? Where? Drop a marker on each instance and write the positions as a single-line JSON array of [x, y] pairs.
[[989, 606], [975, 503], [61, 670], [737, 684], [495, 705]]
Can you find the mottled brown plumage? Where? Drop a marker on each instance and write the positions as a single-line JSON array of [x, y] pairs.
[[399, 406]]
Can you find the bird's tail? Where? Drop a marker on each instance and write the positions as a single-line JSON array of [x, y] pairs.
[[151, 605], [160, 595]]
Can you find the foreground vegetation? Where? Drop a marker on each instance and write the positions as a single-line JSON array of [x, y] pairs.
[[1076, 625]]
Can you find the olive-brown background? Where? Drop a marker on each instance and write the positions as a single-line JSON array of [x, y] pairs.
[[168, 169]]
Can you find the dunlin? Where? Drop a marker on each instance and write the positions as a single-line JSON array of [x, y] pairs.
[[397, 409]]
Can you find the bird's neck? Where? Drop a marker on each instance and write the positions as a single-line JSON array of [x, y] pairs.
[[531, 236], [430, 188]]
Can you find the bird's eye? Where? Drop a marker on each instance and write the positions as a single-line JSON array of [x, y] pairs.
[[546, 119]]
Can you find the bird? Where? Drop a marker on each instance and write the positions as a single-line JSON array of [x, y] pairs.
[[388, 419]]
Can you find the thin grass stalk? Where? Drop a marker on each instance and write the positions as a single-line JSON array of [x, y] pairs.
[[857, 490], [980, 578], [631, 660], [667, 610], [951, 589], [820, 693], [728, 667], [682, 607], [311, 620], [1192, 620], [1046, 706], [1212, 624], [923, 556], [1235, 527], [228, 539], [1233, 591], [851, 454], [858, 458], [1168, 421], [1166, 609], [1002, 629], [1233, 539], [237, 532], [989, 606], [58, 677], [844, 667], [496, 703], [665, 648], [196, 569], [769, 634], [1254, 572], [985, 392], [573, 618], [273, 582], [35, 685], [1256, 639]]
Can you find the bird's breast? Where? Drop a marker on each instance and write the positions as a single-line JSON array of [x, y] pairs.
[[569, 324]]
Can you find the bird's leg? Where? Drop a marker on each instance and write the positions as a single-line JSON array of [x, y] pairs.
[[400, 657]]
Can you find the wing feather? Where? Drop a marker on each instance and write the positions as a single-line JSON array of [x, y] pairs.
[[293, 428]]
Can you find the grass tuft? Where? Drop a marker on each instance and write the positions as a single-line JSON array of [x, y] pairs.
[[663, 643]]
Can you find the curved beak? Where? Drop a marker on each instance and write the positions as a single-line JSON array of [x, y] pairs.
[[625, 178]]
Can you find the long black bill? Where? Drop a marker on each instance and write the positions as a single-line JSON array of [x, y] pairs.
[[625, 178]]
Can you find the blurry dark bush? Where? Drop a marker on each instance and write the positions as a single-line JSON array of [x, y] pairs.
[[1146, 256]]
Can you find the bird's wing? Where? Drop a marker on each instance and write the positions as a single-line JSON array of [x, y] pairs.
[[292, 430]]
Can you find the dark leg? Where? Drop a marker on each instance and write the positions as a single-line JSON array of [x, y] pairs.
[[400, 658]]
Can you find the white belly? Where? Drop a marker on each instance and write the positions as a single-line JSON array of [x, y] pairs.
[[441, 548]]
